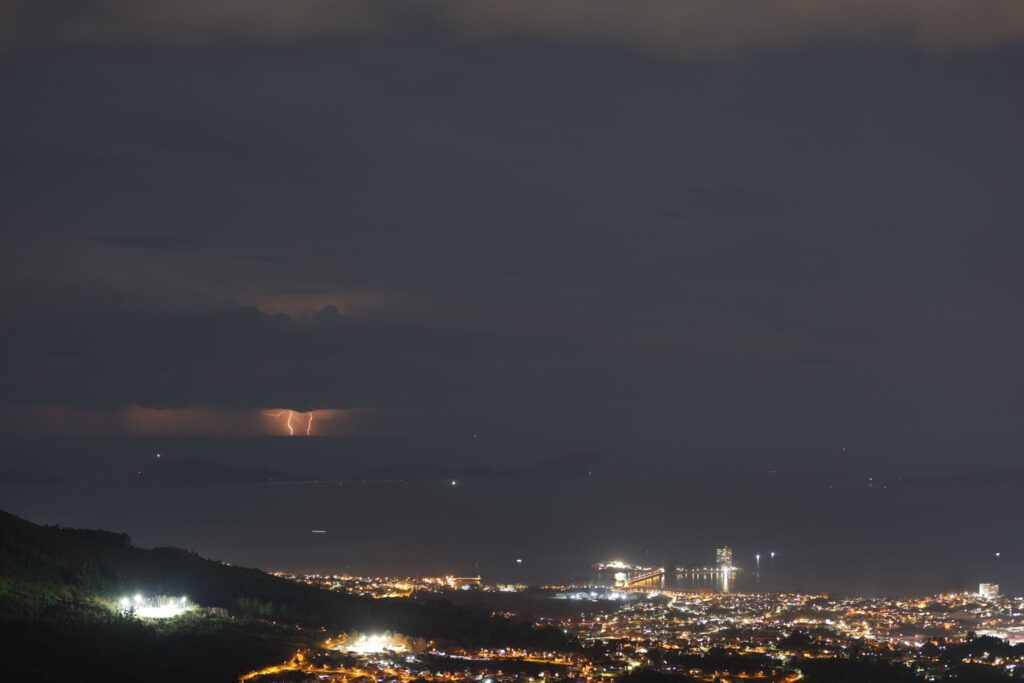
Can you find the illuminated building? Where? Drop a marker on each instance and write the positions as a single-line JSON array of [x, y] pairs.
[[988, 590], [723, 556], [370, 644], [463, 582]]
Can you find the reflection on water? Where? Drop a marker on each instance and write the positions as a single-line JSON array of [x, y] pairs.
[[734, 581], [717, 581]]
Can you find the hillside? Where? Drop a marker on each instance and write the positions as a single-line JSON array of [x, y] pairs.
[[60, 586]]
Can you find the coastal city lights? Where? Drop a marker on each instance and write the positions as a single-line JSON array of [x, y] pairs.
[[398, 587], [708, 636]]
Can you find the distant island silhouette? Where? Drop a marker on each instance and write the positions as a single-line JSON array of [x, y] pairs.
[[195, 470], [579, 464], [198, 470], [575, 464]]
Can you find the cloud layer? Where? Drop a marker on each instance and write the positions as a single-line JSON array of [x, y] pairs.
[[519, 238], [670, 28]]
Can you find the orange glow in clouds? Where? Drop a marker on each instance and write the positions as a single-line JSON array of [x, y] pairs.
[[290, 415], [193, 421]]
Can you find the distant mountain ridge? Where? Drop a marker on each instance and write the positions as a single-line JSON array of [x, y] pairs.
[[197, 470], [575, 464]]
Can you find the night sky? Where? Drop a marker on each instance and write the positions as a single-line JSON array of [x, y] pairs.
[[637, 223]]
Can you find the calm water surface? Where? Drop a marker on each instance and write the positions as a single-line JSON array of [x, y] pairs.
[[848, 538]]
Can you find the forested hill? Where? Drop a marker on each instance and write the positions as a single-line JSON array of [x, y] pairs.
[[58, 614], [51, 568]]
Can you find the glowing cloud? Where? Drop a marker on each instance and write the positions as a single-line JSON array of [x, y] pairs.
[[193, 421], [289, 416]]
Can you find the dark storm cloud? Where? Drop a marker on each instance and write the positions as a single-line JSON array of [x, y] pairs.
[[677, 28], [153, 242], [713, 381], [539, 237], [245, 359], [185, 245]]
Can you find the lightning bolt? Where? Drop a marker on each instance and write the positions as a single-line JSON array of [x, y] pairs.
[[288, 422]]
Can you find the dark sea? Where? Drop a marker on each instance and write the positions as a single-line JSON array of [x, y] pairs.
[[836, 526]]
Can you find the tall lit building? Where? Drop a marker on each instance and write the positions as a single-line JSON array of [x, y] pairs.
[[463, 582], [988, 590], [723, 556]]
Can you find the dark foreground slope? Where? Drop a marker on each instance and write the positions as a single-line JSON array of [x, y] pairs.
[[59, 621]]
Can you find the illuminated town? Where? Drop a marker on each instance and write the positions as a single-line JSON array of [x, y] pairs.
[[625, 629], [397, 587]]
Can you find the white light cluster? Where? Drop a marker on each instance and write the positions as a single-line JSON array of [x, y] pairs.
[[371, 644], [161, 608]]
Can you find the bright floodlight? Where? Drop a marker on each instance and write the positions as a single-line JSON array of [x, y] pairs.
[[163, 611], [157, 608], [371, 644]]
